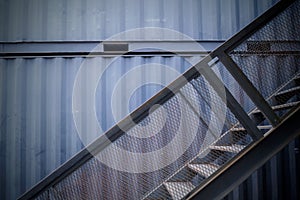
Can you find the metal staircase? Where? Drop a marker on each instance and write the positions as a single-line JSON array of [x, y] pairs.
[[225, 149], [223, 118]]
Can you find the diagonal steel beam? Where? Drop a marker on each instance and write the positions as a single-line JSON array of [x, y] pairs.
[[228, 99], [249, 88], [249, 160]]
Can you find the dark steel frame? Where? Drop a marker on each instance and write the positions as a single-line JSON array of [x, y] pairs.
[[165, 94], [250, 160]]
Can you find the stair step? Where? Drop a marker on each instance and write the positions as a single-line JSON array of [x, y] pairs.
[[235, 148], [240, 129], [264, 127], [297, 77], [288, 92], [281, 107], [178, 190], [204, 169], [286, 106]]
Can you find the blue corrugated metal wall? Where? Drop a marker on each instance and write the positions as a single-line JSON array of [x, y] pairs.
[[31, 20], [37, 129], [278, 179]]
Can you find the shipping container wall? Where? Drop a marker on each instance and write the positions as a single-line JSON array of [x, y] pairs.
[[52, 107], [42, 122], [79, 20], [278, 179], [46, 117]]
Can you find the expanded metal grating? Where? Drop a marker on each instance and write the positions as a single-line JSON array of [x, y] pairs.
[[225, 142], [176, 134], [235, 89], [206, 163], [270, 57]]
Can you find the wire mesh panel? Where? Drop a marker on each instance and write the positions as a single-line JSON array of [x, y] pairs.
[[224, 139], [232, 85], [160, 153], [270, 58]]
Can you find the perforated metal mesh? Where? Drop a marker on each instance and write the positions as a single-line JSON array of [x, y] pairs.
[[207, 162], [234, 88], [44, 195], [152, 159], [224, 139], [270, 58]]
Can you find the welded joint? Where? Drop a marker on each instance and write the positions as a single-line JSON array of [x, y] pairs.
[[229, 100], [249, 88]]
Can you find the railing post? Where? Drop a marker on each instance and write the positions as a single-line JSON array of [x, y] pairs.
[[249, 88], [229, 100]]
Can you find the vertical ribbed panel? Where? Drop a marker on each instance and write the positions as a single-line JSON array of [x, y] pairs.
[[37, 127], [37, 130], [32, 20], [277, 179]]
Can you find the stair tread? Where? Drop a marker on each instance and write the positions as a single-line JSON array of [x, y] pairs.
[[259, 127], [179, 189], [281, 107], [264, 127], [237, 129], [235, 148], [204, 169], [286, 105], [288, 91], [297, 77]]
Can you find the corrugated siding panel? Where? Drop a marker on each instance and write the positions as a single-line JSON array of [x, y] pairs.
[[38, 132], [32, 105], [277, 179], [34, 20]]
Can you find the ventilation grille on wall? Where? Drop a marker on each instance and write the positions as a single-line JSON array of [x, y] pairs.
[[115, 47]]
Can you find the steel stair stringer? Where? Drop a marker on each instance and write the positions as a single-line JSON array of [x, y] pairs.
[[250, 159]]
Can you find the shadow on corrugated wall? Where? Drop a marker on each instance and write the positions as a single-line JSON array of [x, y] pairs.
[[279, 178]]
